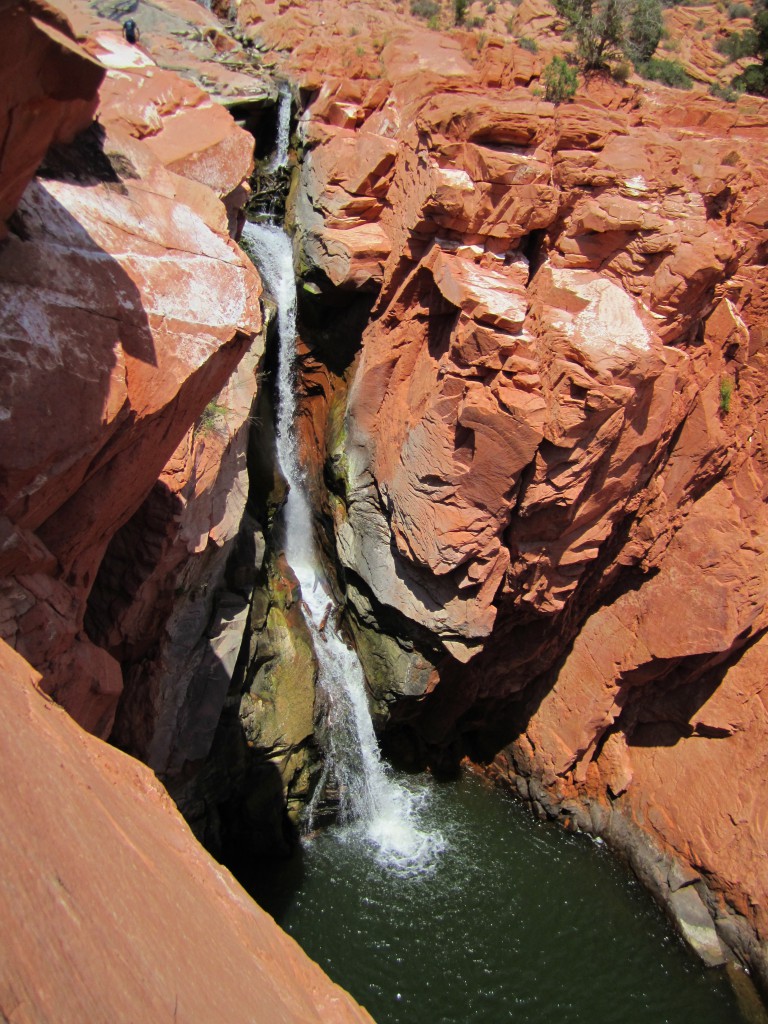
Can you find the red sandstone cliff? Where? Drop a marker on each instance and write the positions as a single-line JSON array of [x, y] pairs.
[[552, 528], [549, 492], [130, 343], [111, 910], [127, 306]]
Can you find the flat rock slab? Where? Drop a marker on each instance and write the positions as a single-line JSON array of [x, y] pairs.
[[110, 909]]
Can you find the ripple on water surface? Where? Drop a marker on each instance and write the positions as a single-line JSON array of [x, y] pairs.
[[510, 920]]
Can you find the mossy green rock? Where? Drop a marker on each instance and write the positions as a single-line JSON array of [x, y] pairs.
[[392, 667], [277, 711]]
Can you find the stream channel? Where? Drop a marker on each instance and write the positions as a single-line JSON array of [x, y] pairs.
[[448, 903]]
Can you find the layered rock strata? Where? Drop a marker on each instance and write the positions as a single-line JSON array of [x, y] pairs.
[[548, 496]]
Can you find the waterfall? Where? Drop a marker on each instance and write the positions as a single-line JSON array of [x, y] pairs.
[[280, 158], [374, 806]]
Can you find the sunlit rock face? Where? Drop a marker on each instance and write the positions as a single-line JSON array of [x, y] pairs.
[[548, 493], [48, 83], [131, 347], [126, 307], [99, 865]]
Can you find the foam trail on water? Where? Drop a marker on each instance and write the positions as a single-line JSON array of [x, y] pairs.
[[376, 807]]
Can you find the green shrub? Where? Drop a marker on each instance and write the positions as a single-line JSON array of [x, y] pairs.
[[476, 22], [700, 25], [753, 80], [526, 43], [668, 72], [621, 72], [424, 8], [560, 81], [459, 11], [726, 391], [644, 31], [724, 92], [511, 26], [434, 22], [213, 419], [738, 44], [739, 11], [490, 8]]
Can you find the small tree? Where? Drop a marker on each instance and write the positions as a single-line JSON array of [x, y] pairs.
[[560, 81], [598, 26], [606, 30], [755, 78], [645, 27]]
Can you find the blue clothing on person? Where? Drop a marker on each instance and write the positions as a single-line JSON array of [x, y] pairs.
[[131, 31]]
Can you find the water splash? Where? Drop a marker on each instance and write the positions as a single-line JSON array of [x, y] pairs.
[[375, 808]]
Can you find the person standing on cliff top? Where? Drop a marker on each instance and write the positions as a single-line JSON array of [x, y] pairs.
[[131, 31]]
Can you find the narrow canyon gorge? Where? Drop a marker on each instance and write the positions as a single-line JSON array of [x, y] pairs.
[[347, 378]]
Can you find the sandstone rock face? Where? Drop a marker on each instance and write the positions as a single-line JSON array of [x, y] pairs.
[[171, 598], [49, 88], [126, 306], [132, 351], [97, 864], [549, 494]]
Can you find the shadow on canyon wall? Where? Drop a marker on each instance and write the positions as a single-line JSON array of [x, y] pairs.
[[464, 718], [88, 296]]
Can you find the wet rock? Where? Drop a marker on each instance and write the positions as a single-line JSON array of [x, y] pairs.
[[696, 925]]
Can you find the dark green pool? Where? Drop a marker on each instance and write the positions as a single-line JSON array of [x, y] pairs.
[[518, 921]]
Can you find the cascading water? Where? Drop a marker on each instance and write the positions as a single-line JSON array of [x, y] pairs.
[[280, 157], [382, 811]]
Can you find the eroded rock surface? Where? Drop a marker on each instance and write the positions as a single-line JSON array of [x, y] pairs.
[[111, 909], [126, 306], [131, 342], [48, 83], [549, 493]]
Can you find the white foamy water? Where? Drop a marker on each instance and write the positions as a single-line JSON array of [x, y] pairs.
[[280, 158], [375, 807]]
